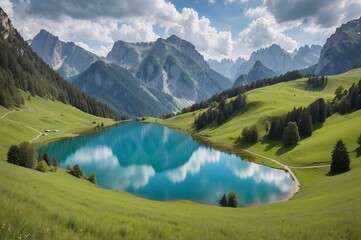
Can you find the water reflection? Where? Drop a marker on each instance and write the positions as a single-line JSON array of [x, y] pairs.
[[200, 157], [158, 163]]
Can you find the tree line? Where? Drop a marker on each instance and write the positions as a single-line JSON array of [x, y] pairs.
[[347, 101], [303, 117], [317, 81], [21, 68], [220, 113], [24, 155]]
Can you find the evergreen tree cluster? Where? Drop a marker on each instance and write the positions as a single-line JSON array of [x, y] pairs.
[[220, 113], [303, 117], [21, 68], [25, 155], [232, 92], [317, 82], [231, 200], [250, 134], [347, 101]]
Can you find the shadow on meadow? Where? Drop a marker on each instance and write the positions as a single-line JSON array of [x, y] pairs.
[[284, 149]]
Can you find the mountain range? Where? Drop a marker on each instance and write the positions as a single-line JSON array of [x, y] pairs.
[[168, 74], [155, 78], [272, 57], [227, 67]]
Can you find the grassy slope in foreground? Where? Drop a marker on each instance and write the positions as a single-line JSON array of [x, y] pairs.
[[279, 99], [38, 115], [60, 206]]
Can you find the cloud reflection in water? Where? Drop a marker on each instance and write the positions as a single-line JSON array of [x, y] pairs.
[[199, 157], [260, 174], [106, 164]]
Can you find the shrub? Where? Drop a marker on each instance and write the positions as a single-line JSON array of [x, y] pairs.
[[77, 171], [46, 158], [233, 199], [68, 167], [92, 178], [13, 155], [42, 166]]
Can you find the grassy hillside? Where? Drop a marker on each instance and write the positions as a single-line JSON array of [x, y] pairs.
[[38, 115], [277, 100]]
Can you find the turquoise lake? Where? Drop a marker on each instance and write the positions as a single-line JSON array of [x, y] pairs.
[[155, 162]]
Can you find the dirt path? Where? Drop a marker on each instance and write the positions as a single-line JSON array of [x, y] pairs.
[[297, 185], [36, 136], [7, 113], [288, 169], [3, 117]]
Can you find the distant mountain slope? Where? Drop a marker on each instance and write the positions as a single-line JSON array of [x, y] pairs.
[[170, 66], [118, 88], [306, 56], [281, 61], [342, 50], [258, 72], [22, 69], [67, 59]]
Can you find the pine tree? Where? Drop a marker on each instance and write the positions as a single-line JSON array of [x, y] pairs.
[[223, 201], [220, 118], [340, 161], [306, 126]]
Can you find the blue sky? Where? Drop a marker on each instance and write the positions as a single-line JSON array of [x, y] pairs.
[[218, 28]]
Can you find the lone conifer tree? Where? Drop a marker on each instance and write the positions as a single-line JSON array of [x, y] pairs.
[[340, 159], [223, 201]]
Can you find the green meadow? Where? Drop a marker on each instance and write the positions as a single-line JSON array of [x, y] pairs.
[[37, 116], [56, 205]]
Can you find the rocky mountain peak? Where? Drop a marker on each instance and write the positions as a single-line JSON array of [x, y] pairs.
[[6, 26], [341, 51]]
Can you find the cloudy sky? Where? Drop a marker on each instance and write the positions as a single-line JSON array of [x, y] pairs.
[[218, 28]]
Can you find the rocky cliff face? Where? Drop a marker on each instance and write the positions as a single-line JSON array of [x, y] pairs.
[[342, 51], [306, 56], [226, 67], [67, 59], [7, 28], [128, 55]]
